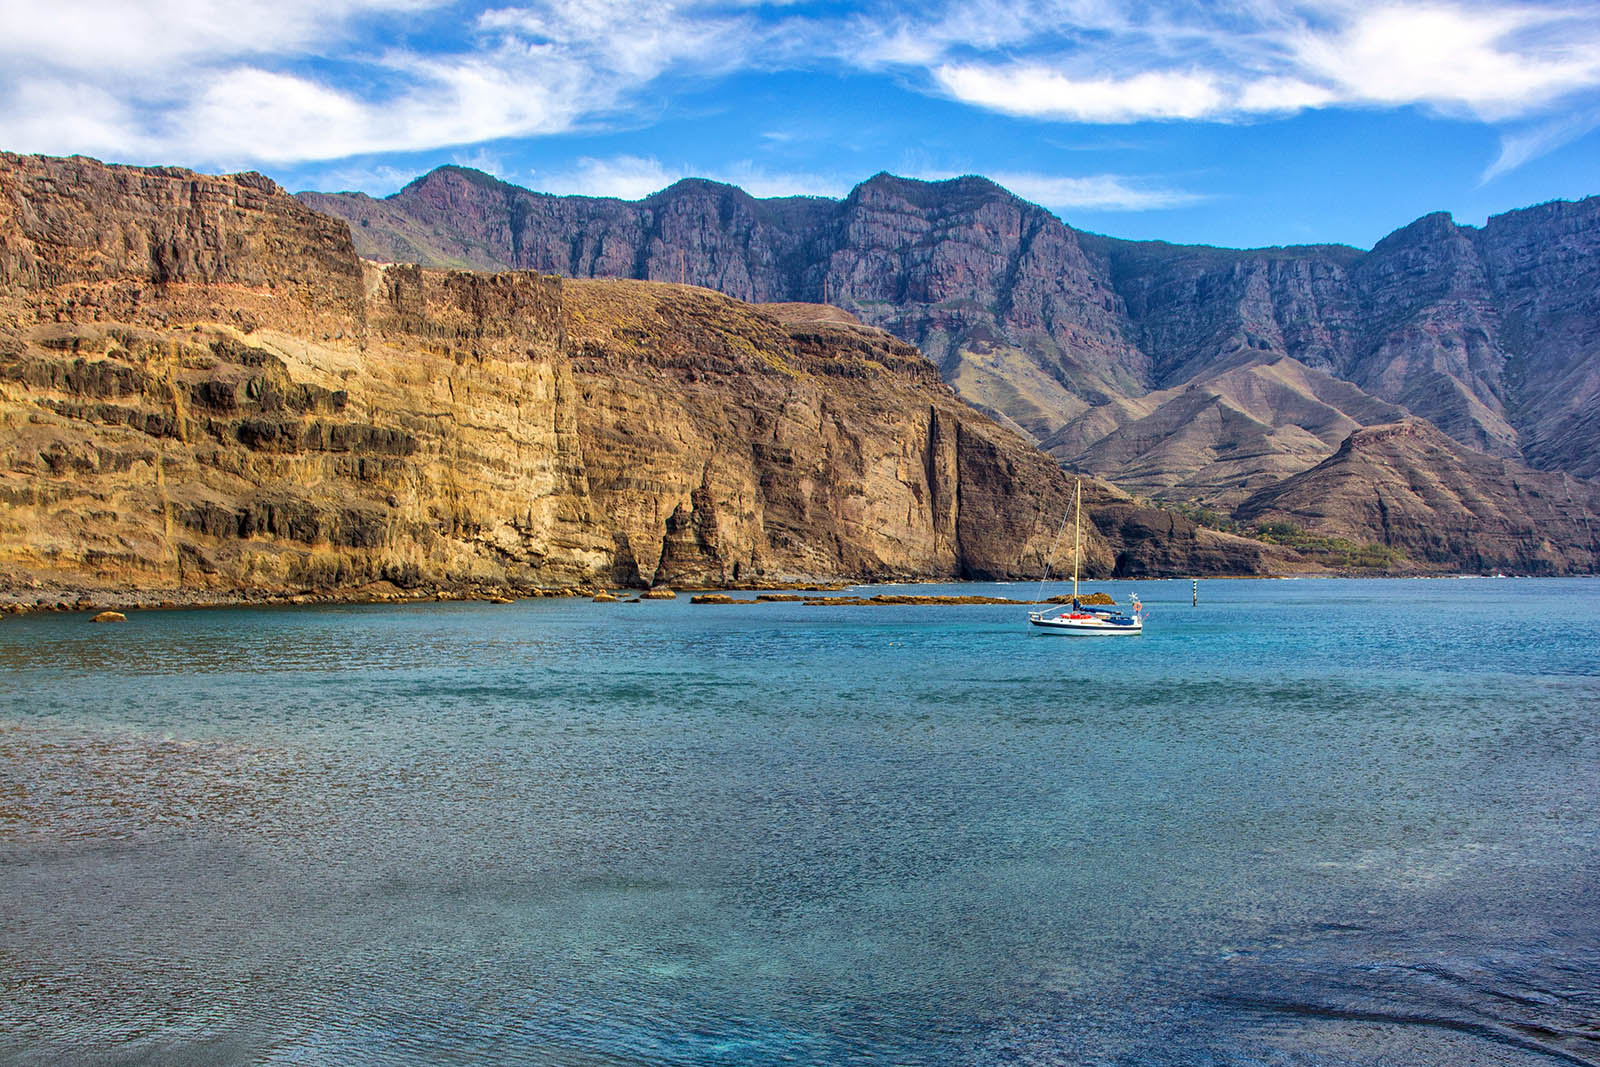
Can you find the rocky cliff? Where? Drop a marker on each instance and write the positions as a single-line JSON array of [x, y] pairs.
[[1407, 486], [202, 387], [994, 290], [1490, 333]]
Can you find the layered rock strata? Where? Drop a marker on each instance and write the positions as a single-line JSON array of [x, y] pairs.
[[1492, 333], [994, 290], [203, 388]]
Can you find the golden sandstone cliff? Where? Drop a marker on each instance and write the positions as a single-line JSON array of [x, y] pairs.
[[204, 390]]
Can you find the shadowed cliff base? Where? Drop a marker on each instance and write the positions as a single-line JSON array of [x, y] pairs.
[[204, 391]]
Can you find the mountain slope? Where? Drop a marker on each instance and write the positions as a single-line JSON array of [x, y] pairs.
[[1224, 434], [202, 387], [1493, 333], [991, 288], [1408, 486]]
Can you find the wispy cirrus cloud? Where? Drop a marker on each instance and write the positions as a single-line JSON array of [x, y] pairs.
[[1092, 192], [636, 177], [379, 179], [1095, 192], [298, 80], [1521, 144], [484, 160], [624, 177], [1488, 63], [290, 81]]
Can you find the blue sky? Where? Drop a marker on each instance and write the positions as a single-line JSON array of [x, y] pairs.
[[1262, 122]]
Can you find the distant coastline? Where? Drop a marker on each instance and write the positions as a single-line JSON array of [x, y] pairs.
[[78, 601]]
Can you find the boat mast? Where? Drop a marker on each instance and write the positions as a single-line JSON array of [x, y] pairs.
[[1077, 512]]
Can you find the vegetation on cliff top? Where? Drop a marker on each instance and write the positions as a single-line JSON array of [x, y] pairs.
[[1336, 553]]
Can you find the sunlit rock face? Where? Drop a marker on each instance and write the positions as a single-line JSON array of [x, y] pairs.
[[1072, 338], [202, 386]]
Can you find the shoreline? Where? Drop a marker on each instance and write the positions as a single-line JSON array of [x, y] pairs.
[[44, 599]]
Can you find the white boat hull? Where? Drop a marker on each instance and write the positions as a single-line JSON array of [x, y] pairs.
[[1081, 622], [1085, 625]]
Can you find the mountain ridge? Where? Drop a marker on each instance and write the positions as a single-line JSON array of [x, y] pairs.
[[205, 391], [1041, 325]]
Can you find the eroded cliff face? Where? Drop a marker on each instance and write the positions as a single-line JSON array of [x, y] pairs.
[[1543, 265], [203, 388], [736, 445], [994, 290], [1489, 333]]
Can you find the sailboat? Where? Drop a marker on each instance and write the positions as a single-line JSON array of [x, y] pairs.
[[1077, 620]]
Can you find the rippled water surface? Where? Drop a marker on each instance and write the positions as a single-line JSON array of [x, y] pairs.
[[1312, 822]]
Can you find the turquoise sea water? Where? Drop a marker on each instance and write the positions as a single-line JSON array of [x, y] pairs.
[[1306, 822]]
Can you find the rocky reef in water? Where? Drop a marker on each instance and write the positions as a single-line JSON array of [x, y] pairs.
[[204, 388]]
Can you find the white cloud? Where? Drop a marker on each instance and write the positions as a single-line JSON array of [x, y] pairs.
[[1027, 89], [258, 114], [636, 177], [1489, 63], [199, 81], [1530, 142], [624, 177], [63, 117], [761, 182], [481, 159], [1095, 192], [929, 34], [283, 81], [632, 39], [1092, 192], [1271, 95], [377, 180], [126, 36]]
